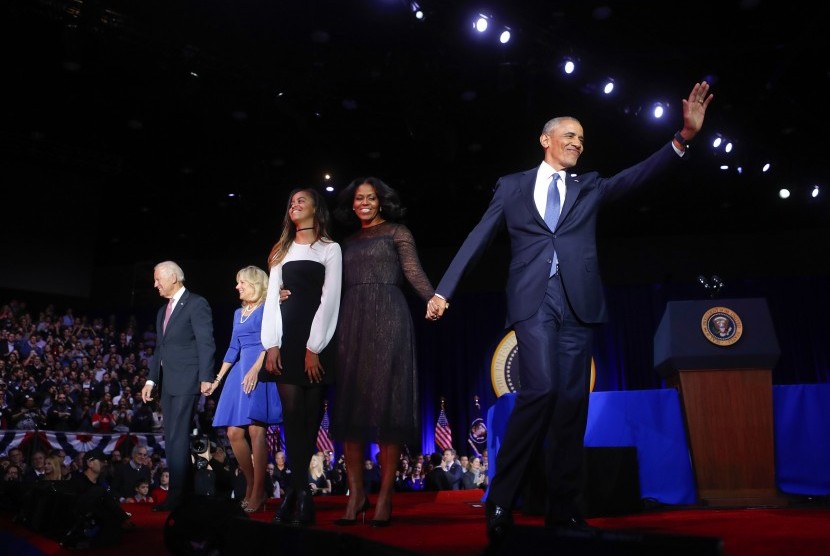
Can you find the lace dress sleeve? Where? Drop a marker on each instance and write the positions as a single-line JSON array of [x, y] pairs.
[[410, 264]]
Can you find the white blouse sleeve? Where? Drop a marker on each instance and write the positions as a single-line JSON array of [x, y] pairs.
[[325, 319], [271, 315]]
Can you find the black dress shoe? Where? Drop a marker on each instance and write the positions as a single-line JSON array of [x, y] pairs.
[[499, 521]]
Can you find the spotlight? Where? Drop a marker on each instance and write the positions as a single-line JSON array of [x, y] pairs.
[[416, 11], [481, 23], [766, 167], [658, 110], [716, 143], [814, 193], [569, 66], [784, 193], [504, 38], [728, 147], [608, 88]]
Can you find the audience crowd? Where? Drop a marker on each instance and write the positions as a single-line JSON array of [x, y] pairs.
[[65, 372]]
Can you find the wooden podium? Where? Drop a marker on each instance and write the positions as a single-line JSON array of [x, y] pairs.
[[719, 354]]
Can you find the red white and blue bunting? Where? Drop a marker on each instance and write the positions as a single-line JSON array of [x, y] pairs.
[[73, 442]]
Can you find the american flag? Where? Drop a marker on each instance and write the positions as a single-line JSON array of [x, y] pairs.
[[443, 433], [324, 443], [273, 437]]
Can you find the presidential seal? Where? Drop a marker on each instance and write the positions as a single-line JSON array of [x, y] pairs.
[[504, 368], [721, 326]]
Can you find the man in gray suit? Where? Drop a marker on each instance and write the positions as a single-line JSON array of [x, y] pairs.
[[182, 367], [555, 300]]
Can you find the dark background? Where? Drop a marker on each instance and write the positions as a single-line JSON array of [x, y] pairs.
[[134, 132]]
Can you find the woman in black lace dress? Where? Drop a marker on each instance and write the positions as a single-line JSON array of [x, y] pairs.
[[377, 380]]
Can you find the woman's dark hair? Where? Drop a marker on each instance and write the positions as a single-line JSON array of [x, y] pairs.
[[390, 202]]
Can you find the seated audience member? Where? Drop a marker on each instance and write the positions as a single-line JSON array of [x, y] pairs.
[[52, 468], [318, 483], [36, 469], [281, 474], [11, 488], [474, 477], [371, 476], [159, 492], [141, 493], [126, 474], [416, 480]]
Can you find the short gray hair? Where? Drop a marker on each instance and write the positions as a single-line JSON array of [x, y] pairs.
[[169, 267]]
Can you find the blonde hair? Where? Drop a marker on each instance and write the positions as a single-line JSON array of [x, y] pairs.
[[56, 474], [316, 471], [257, 278]]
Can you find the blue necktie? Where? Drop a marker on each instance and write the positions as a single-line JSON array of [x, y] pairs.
[[552, 209]]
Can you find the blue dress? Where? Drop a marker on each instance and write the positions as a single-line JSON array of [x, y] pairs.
[[235, 407]]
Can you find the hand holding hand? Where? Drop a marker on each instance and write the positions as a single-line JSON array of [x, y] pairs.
[[146, 393], [436, 307]]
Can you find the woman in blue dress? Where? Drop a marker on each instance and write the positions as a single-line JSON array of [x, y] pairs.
[[245, 404]]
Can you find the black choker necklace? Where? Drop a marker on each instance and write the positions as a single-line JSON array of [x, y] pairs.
[[301, 229]]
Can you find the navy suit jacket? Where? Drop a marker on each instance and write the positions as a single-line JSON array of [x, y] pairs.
[[532, 243], [187, 347]]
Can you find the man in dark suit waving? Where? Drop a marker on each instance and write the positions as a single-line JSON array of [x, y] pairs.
[[554, 301], [182, 367]]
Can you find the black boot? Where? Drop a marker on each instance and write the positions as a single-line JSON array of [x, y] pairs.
[[287, 511], [305, 509]]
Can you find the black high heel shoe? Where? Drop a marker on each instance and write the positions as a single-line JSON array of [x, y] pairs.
[[305, 514], [286, 512], [361, 510], [382, 522]]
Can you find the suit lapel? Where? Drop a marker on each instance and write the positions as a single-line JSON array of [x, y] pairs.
[[177, 310], [572, 190], [527, 185]]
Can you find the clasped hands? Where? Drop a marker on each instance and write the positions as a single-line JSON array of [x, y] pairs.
[[436, 307]]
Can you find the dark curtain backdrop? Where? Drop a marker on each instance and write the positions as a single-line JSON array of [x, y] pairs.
[[456, 353]]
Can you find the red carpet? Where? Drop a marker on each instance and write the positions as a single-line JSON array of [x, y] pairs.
[[452, 523]]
